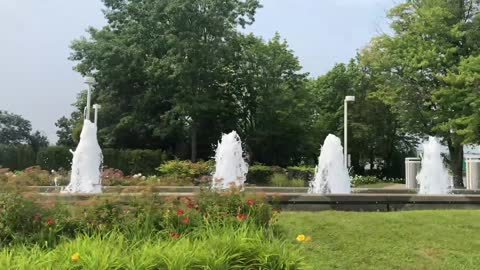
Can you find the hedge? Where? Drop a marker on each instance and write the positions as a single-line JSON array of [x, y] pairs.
[[54, 158], [19, 157], [259, 174], [134, 161], [301, 172], [16, 157]]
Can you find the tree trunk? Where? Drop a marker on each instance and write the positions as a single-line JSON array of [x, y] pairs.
[[456, 163], [194, 142]]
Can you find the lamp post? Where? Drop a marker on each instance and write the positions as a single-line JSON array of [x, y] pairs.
[[90, 82], [96, 107], [345, 152]]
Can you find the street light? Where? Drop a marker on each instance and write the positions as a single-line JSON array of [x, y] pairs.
[[96, 107], [90, 81], [345, 152]]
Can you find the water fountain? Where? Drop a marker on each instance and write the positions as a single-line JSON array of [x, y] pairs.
[[87, 158], [230, 166], [433, 177], [331, 175]]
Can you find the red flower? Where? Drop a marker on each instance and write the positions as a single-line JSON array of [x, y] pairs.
[[180, 212], [37, 216], [250, 201], [174, 235], [50, 221], [188, 198], [242, 216], [185, 220], [190, 206]]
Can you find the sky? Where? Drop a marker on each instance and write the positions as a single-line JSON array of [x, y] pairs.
[[37, 80]]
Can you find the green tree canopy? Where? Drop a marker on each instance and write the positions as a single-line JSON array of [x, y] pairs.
[[431, 37]]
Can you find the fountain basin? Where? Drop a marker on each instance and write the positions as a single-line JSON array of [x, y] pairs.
[[298, 201]]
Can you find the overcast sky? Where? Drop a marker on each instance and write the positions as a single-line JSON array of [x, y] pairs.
[[37, 80]]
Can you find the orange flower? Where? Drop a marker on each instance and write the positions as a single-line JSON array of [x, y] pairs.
[[175, 235], [50, 221], [185, 220], [180, 212], [250, 201], [242, 216]]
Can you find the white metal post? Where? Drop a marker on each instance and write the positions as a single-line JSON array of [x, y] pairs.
[[88, 103], [345, 130], [345, 152], [90, 81], [96, 107]]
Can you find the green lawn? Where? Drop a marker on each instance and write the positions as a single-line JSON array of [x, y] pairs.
[[396, 240]]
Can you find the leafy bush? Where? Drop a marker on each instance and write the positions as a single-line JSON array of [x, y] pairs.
[[54, 158], [32, 176], [231, 208], [303, 172], [23, 221], [259, 174], [358, 180], [281, 180], [185, 168]]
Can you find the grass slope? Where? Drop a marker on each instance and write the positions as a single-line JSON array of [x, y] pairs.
[[395, 240]]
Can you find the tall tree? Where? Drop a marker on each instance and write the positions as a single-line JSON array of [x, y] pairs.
[[14, 129], [375, 135], [160, 68], [274, 112], [430, 39]]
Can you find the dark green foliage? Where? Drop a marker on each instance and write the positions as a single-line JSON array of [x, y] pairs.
[[16, 157], [134, 161], [259, 175], [186, 168], [302, 172], [54, 158], [23, 221]]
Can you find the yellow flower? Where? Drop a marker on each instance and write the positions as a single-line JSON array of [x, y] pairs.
[[308, 239], [301, 237], [76, 257]]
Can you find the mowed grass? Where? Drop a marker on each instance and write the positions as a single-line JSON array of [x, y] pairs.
[[438, 239]]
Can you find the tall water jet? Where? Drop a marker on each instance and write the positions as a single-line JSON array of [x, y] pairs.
[[230, 166], [86, 163], [331, 175], [87, 158], [433, 177]]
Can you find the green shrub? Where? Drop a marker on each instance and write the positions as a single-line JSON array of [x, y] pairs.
[[32, 176], [230, 208], [259, 175], [303, 172], [54, 158], [185, 168], [23, 221]]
